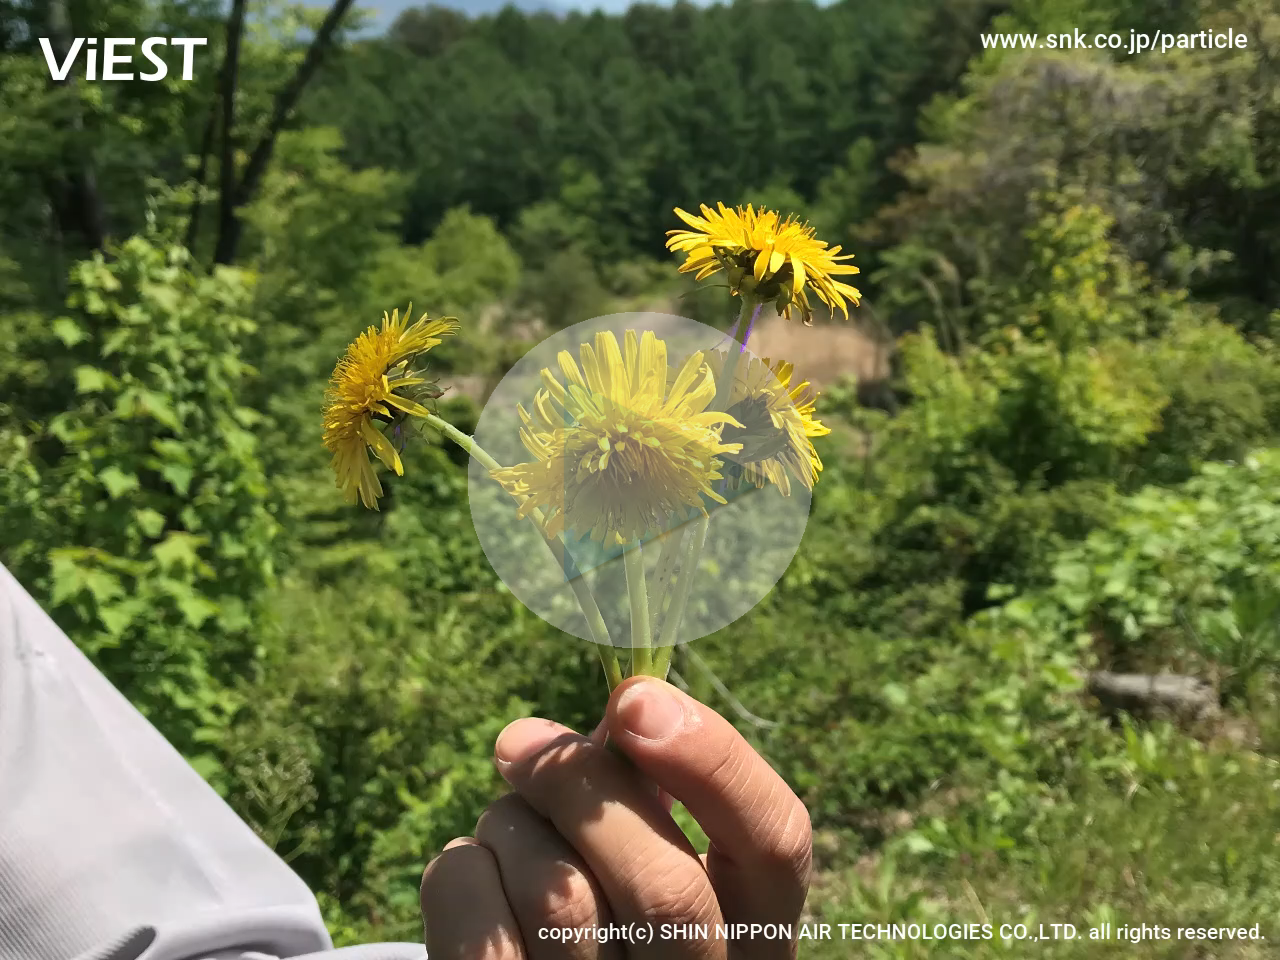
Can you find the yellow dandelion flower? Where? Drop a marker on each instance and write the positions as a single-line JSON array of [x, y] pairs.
[[766, 257], [619, 447], [777, 423], [373, 386]]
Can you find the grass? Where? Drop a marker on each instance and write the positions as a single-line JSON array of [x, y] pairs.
[[1167, 832]]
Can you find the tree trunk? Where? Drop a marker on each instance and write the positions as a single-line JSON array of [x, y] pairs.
[[202, 169], [229, 227], [229, 78], [74, 197]]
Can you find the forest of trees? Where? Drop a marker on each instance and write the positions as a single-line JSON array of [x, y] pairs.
[[1072, 475]]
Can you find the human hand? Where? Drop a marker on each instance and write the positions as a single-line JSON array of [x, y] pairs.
[[583, 843]]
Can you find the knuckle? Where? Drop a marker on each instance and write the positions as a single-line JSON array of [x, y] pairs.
[[634, 857], [437, 873], [567, 760], [789, 850], [730, 769], [424, 887], [677, 896], [565, 899], [499, 813]]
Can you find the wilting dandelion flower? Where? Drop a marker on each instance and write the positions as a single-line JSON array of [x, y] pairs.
[[374, 385], [619, 446], [777, 423], [766, 257]]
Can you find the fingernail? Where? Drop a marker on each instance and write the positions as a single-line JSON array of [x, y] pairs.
[[521, 739], [650, 711]]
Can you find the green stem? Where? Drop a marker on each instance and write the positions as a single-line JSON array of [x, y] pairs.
[[671, 543], [724, 387], [598, 629], [467, 443], [680, 599], [612, 666], [693, 549], [638, 600], [596, 626]]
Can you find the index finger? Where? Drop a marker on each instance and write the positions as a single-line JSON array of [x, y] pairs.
[[753, 819]]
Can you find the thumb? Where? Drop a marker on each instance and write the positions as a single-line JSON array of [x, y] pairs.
[[753, 819]]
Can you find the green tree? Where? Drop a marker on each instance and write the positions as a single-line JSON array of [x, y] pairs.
[[139, 513]]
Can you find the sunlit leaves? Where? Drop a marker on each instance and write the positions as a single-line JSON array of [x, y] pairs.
[[146, 496], [117, 481]]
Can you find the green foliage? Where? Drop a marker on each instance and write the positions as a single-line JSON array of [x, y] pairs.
[[1224, 398], [1075, 253], [1071, 283], [467, 268], [623, 113], [341, 218], [140, 509], [845, 196], [1117, 853], [1160, 151], [567, 290], [1183, 571]]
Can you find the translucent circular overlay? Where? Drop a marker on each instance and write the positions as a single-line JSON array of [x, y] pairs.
[[749, 540]]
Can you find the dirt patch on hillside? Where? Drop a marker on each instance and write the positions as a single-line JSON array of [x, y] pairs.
[[823, 353]]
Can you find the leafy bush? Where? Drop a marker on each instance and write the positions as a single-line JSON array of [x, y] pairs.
[[1224, 399], [1080, 250], [140, 509], [1181, 572]]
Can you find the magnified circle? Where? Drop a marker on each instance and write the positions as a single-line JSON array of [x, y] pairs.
[[604, 491]]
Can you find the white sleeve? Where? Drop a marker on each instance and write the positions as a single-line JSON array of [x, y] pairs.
[[110, 844]]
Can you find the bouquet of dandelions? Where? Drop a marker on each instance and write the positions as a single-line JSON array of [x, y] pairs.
[[632, 444]]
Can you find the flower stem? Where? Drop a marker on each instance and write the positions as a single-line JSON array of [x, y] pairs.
[[596, 626], [598, 629], [747, 314], [724, 388], [466, 442], [732, 335], [671, 543], [638, 597], [751, 325], [680, 599], [612, 666]]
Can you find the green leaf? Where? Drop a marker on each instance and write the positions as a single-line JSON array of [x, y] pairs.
[[149, 403], [191, 518], [206, 765], [178, 549], [117, 617], [195, 608], [233, 615], [896, 694], [150, 522], [164, 297], [94, 303], [916, 842], [102, 585], [91, 379], [115, 341], [64, 427], [65, 575], [179, 476], [117, 481], [68, 331], [70, 578]]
